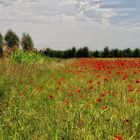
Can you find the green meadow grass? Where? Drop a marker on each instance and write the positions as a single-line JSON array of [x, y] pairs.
[[53, 100], [26, 57]]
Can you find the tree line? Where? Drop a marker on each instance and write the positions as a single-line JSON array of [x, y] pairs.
[[12, 41], [85, 52]]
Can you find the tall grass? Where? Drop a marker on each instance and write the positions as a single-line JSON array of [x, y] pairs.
[[61, 99], [25, 57]]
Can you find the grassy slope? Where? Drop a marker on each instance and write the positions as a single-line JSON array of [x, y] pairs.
[[55, 100]]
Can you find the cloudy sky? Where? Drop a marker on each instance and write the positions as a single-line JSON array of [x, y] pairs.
[[61, 24]]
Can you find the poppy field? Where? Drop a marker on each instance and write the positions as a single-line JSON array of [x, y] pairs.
[[74, 99]]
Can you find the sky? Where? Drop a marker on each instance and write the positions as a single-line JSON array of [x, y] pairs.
[[62, 24]]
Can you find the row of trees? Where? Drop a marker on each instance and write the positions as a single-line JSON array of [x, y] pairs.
[[117, 53], [12, 41], [85, 52], [71, 53]]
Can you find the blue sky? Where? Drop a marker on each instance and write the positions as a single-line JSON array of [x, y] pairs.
[[61, 24]]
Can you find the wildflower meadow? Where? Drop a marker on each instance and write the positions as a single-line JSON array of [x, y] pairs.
[[75, 99]]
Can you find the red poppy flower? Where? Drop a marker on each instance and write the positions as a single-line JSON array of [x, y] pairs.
[[91, 81], [90, 87], [125, 77], [118, 137], [78, 90], [130, 101], [137, 81], [51, 96], [69, 94], [98, 100], [31, 82], [104, 94], [98, 83]]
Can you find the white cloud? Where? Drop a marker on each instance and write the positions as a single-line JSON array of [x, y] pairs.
[[64, 23], [106, 12]]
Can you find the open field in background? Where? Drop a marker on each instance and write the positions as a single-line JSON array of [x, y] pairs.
[[77, 99]]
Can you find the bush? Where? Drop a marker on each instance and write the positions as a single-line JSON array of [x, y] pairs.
[[20, 56]]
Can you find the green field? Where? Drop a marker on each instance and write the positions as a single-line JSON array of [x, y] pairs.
[[76, 99]]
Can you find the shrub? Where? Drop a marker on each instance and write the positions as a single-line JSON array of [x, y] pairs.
[[20, 56]]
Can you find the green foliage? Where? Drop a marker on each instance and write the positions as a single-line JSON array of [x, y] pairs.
[[116, 53], [27, 42], [73, 52], [12, 39], [1, 43], [1, 40], [106, 52], [79, 53], [96, 53], [136, 52], [84, 52], [20, 56]]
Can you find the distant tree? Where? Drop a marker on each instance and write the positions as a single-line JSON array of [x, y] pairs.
[[85, 52], [1, 44], [106, 52], [68, 53], [12, 39], [52, 53], [90, 53], [73, 52], [124, 53], [120, 53], [27, 43], [96, 53], [47, 51], [59, 54], [111, 53], [116, 52], [128, 52], [65, 54], [79, 52], [136, 53], [1, 40]]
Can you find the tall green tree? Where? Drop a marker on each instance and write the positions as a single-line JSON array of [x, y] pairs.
[[136, 53], [111, 53], [12, 39], [116, 52], [79, 52], [128, 52], [85, 52], [106, 52], [1, 44], [1, 40], [96, 53], [27, 42], [73, 52]]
